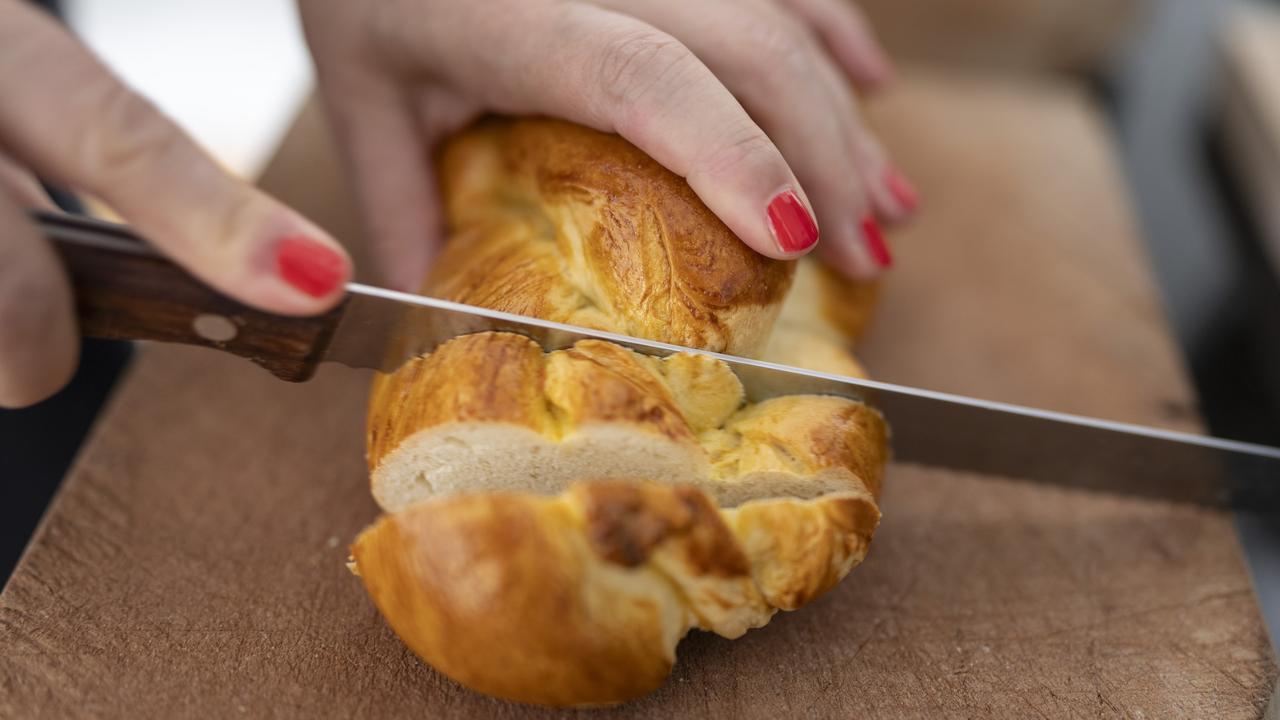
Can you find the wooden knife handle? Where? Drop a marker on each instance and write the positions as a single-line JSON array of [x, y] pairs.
[[124, 290]]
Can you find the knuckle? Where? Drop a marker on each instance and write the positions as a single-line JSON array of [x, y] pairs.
[[746, 151], [127, 134], [234, 226], [772, 50], [633, 65]]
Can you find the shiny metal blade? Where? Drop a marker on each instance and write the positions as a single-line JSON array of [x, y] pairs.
[[382, 329]]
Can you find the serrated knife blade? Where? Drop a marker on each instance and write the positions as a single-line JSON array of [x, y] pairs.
[[382, 329]]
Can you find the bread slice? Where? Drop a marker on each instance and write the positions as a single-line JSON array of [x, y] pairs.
[[491, 411], [580, 599], [558, 521]]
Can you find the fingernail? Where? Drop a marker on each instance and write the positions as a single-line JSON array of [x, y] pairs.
[[875, 242], [790, 222], [311, 267], [902, 189]]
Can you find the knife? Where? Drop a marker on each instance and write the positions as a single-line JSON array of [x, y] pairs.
[[126, 290]]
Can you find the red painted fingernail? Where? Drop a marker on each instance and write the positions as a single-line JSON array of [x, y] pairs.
[[309, 266], [903, 191], [792, 225], [875, 242]]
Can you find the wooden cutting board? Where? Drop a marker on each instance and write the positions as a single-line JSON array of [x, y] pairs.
[[193, 563]]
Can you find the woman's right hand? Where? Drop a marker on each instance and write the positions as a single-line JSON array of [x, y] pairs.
[[64, 117]]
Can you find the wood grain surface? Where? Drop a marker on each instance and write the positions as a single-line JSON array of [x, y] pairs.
[[193, 563]]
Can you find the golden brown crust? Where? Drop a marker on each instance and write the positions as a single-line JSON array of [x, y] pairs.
[[800, 551], [847, 304], [489, 377], [599, 382], [496, 592], [626, 521], [811, 434], [580, 599], [562, 222]]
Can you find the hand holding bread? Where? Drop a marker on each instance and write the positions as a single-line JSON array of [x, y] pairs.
[[751, 102]]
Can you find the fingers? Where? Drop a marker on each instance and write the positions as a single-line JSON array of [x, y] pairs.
[[652, 90], [618, 74], [791, 87], [847, 35], [893, 196], [79, 126], [38, 339]]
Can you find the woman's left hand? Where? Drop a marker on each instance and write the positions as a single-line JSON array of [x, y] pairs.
[[752, 101]]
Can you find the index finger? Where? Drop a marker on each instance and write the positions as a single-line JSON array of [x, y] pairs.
[[78, 125]]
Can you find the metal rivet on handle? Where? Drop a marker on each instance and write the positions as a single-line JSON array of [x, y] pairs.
[[214, 328]]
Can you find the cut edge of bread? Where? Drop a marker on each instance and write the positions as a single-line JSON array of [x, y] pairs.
[[519, 419], [461, 458]]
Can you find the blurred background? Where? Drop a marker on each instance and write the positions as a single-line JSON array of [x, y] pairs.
[[232, 72], [1191, 89]]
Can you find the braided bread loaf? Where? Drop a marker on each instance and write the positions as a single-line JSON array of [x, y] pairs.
[[558, 521]]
